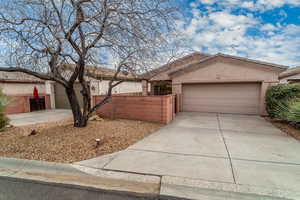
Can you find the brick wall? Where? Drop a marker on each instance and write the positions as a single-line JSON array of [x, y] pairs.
[[159, 109], [20, 103]]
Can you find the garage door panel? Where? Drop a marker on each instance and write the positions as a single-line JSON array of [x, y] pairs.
[[242, 98], [221, 109], [228, 102]]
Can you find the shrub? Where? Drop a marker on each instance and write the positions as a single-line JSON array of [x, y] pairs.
[[279, 99], [4, 101], [294, 112]]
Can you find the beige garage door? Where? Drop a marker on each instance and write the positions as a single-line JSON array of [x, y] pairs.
[[61, 98], [242, 98]]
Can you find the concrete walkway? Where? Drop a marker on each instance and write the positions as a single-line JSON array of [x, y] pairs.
[[24, 119], [202, 152]]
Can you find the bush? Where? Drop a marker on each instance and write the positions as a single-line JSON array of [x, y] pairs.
[[4, 101], [294, 112], [280, 98]]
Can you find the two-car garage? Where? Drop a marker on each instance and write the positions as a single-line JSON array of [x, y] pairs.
[[240, 98]]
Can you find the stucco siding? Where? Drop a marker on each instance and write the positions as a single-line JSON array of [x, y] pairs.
[[21, 88], [227, 71], [101, 87], [162, 72]]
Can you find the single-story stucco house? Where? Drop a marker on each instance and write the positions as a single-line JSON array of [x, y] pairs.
[[215, 83], [290, 76], [19, 87], [201, 83]]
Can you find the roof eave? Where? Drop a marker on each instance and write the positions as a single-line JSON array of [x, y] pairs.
[[21, 81], [279, 67], [161, 69], [254, 61]]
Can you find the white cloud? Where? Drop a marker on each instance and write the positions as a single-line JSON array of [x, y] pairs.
[[253, 5], [227, 20], [208, 1], [270, 4], [229, 33], [268, 27], [247, 4]]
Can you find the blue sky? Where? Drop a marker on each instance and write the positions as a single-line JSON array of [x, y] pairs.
[[267, 30]]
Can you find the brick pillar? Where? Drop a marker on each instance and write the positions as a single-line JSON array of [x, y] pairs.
[[145, 87]]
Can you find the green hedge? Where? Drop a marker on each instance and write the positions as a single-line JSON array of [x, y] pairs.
[[282, 99]]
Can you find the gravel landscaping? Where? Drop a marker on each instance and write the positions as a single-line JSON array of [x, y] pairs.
[[61, 142]]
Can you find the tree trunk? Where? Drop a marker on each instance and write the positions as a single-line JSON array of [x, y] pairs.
[[79, 119], [86, 96]]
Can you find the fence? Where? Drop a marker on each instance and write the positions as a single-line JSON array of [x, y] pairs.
[[21, 103], [159, 109]]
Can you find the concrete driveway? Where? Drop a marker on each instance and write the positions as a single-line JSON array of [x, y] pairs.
[[24, 119], [217, 148]]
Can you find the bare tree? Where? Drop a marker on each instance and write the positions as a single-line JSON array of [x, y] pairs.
[[44, 35]]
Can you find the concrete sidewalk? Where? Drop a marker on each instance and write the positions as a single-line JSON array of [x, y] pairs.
[[24, 119]]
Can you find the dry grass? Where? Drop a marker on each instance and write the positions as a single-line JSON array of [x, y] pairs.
[[61, 142], [287, 128]]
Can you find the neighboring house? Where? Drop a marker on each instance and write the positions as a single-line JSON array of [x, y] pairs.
[[19, 87], [290, 76], [99, 86], [216, 83]]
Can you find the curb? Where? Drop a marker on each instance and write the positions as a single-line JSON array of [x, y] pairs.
[[68, 176], [91, 183]]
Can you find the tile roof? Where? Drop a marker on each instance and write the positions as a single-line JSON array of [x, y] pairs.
[[161, 73], [290, 72], [92, 72], [104, 73], [18, 77]]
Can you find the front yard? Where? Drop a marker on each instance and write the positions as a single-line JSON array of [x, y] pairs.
[[61, 142]]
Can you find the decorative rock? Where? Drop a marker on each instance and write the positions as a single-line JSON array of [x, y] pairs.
[[9, 126], [33, 132], [97, 143], [95, 118]]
